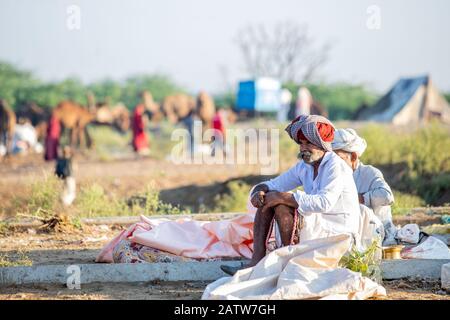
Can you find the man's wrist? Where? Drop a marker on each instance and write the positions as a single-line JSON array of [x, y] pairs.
[[289, 199], [259, 188]]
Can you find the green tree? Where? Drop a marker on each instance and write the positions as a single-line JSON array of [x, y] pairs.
[[13, 80]]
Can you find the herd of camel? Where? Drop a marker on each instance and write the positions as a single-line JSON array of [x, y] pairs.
[[75, 117]]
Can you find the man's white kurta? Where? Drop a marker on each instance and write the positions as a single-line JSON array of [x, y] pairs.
[[329, 203]]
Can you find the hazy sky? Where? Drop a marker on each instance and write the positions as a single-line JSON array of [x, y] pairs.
[[190, 39]]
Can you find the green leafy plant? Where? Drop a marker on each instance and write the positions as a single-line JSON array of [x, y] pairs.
[[366, 262]]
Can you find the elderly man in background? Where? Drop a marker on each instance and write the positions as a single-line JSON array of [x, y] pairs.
[[373, 191], [328, 205]]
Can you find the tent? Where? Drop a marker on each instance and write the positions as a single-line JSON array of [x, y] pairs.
[[411, 100]]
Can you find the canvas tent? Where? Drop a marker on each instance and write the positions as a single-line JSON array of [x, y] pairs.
[[411, 100]]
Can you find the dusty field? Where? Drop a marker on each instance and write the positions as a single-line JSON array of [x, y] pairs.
[[57, 248], [125, 177], [186, 185], [102, 291], [397, 290]]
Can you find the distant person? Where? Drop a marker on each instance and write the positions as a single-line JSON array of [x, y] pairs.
[[218, 125], [188, 122], [64, 171], [140, 138], [52, 138], [373, 190], [303, 103], [285, 104]]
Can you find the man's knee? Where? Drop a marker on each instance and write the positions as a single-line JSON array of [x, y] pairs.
[[283, 212], [282, 209], [265, 212]]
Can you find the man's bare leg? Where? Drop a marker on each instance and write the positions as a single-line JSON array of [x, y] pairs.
[[284, 215], [263, 219]]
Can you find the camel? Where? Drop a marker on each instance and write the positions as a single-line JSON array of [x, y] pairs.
[[117, 116], [178, 106], [7, 125], [205, 109], [153, 109], [121, 117], [75, 117]]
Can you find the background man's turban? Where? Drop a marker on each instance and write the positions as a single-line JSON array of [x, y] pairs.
[[348, 140], [317, 130]]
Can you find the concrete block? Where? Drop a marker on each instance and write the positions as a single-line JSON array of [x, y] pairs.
[[445, 276], [412, 268], [120, 272], [183, 271]]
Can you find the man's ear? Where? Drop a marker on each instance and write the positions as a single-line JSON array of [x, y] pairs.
[[354, 157]]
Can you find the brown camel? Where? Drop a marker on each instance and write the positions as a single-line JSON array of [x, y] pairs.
[[153, 109], [117, 116], [178, 106], [75, 117], [205, 109], [7, 125], [121, 117]]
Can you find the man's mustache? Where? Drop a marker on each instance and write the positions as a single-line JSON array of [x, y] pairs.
[[302, 154]]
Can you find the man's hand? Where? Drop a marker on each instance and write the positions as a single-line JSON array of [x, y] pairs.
[[275, 198], [272, 199], [361, 198], [258, 199]]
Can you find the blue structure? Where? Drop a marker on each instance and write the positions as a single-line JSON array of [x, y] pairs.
[[262, 95]]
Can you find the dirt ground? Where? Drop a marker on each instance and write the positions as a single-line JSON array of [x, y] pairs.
[[396, 290], [57, 248], [185, 185], [124, 177]]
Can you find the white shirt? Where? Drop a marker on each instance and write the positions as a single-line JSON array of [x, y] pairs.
[[329, 202], [376, 192]]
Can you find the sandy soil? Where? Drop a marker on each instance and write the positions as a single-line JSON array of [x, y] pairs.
[[397, 290], [102, 291], [58, 248], [180, 184], [125, 178]]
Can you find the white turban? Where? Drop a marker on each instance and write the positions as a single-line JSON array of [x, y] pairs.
[[348, 140]]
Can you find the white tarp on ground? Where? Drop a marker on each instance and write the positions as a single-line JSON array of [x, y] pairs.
[[308, 270]]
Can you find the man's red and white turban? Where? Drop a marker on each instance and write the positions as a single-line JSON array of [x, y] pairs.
[[316, 129]]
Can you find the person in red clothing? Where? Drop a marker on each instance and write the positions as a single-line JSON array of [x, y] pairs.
[[52, 138], [218, 124], [140, 138]]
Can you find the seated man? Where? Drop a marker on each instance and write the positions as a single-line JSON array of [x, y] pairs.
[[373, 190], [328, 205]]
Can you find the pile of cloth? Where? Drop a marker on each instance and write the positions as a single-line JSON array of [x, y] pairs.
[[25, 139], [420, 245], [165, 240], [308, 270]]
